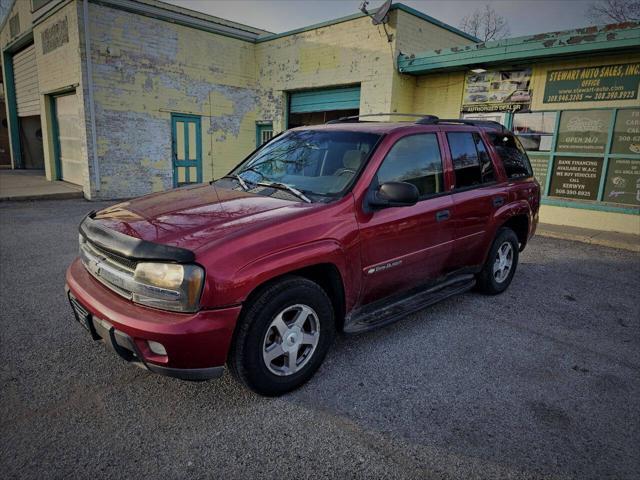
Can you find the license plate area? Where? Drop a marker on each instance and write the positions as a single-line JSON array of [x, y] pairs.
[[83, 316]]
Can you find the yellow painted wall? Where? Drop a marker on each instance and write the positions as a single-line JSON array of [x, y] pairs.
[[415, 35], [59, 70], [439, 94], [593, 219], [346, 53], [144, 69], [22, 8]]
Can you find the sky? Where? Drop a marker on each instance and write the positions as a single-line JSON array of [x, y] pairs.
[[524, 16]]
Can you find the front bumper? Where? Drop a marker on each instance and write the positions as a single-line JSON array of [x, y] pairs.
[[196, 344]]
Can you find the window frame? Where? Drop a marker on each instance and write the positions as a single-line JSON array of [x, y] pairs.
[[491, 152], [443, 160]]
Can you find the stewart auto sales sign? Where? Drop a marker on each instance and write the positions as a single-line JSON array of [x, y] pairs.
[[497, 91], [593, 84]]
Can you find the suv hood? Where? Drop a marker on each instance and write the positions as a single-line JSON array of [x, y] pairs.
[[192, 217]]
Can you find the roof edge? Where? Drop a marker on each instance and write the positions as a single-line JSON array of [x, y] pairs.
[[597, 38], [353, 16]]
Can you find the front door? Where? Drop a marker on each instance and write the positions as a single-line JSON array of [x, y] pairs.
[[404, 247], [186, 149], [70, 161]]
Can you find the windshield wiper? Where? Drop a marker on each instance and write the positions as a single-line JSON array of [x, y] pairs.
[[289, 188], [240, 180]]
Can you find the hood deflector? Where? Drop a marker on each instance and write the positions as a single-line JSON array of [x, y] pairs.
[[131, 247]]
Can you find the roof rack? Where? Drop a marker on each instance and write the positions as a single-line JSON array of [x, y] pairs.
[[468, 121], [356, 118], [423, 119]]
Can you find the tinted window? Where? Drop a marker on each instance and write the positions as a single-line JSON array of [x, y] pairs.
[[471, 160], [414, 159], [515, 160]]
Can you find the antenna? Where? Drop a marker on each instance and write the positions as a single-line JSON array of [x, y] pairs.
[[381, 17], [381, 14]]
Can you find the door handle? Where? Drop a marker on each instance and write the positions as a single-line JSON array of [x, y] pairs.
[[498, 201], [442, 215]]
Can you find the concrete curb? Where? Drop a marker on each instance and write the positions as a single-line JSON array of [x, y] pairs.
[[623, 241], [46, 196]]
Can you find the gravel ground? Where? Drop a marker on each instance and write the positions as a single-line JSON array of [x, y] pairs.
[[540, 382]]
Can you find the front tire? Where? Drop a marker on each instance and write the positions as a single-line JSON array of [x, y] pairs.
[[282, 336], [498, 270]]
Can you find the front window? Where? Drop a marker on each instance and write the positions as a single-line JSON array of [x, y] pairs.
[[305, 164], [415, 159]]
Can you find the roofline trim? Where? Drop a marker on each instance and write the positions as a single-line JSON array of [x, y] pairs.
[[553, 44], [180, 18], [354, 16]]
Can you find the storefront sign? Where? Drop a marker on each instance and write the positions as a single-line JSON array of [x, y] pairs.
[[539, 165], [583, 131], [593, 84], [497, 91], [626, 134], [576, 177], [623, 181]]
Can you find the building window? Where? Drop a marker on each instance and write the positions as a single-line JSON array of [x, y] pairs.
[[535, 130], [14, 25], [593, 155]]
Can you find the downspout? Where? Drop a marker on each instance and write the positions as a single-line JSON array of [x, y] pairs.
[[92, 109]]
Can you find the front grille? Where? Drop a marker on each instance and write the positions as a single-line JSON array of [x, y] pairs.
[[112, 270], [118, 259]]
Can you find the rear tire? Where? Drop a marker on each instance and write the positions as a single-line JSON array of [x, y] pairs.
[[282, 336], [501, 264]]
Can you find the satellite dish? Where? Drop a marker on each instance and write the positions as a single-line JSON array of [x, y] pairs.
[[381, 14]]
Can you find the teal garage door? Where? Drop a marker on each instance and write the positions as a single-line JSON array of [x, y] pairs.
[[326, 99]]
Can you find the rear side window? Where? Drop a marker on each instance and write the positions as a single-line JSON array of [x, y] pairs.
[[471, 161], [515, 160], [414, 159]]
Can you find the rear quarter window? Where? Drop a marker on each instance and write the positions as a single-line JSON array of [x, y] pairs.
[[513, 156]]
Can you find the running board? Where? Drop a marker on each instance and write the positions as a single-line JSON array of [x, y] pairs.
[[389, 310]]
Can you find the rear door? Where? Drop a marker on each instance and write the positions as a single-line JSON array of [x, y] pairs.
[[403, 247], [478, 193]]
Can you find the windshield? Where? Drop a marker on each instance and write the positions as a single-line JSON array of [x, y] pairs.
[[306, 163]]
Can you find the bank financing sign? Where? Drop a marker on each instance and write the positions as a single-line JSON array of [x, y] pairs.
[[497, 91], [593, 84]]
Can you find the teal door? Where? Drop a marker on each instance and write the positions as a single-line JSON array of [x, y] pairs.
[[186, 146]]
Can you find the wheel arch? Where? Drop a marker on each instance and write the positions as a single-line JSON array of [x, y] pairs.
[[519, 223], [326, 275]]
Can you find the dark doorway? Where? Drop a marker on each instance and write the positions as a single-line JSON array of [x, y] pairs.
[[318, 118], [5, 156], [31, 142]]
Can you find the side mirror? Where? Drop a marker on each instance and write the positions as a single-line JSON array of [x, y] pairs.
[[394, 194]]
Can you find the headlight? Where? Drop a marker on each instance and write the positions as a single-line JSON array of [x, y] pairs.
[[168, 286]]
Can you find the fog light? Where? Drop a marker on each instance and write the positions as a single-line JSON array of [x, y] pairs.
[[156, 348]]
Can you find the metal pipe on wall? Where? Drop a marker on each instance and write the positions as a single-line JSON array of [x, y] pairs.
[[92, 110]]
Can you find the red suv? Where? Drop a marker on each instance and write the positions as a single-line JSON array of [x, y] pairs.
[[346, 227]]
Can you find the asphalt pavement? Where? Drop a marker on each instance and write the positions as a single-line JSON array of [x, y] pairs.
[[542, 381]]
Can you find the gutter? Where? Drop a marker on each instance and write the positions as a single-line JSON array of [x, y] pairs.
[[92, 108]]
